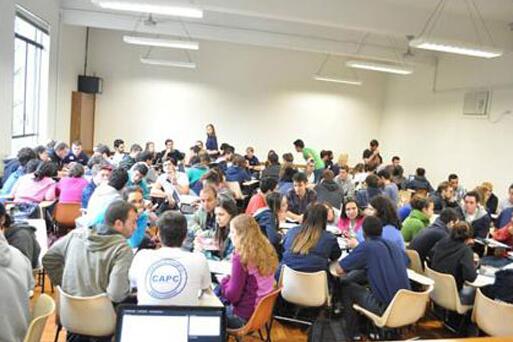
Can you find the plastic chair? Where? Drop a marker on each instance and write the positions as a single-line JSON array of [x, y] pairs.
[[44, 307], [262, 317], [65, 215], [99, 311], [415, 262], [493, 317], [296, 284], [406, 308], [445, 292]]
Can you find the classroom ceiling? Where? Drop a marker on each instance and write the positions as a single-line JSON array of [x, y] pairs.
[[366, 28]]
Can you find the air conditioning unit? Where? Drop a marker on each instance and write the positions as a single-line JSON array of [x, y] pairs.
[[475, 103]]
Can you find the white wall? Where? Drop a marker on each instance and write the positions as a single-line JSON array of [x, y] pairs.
[[49, 11], [254, 96], [427, 128]]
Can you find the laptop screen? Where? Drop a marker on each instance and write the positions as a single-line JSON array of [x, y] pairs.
[[169, 323]]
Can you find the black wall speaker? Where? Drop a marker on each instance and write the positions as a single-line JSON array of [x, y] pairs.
[[90, 84]]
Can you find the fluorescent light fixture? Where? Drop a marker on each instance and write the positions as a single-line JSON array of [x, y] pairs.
[[177, 44], [141, 7], [382, 67], [338, 80], [455, 47], [167, 62]]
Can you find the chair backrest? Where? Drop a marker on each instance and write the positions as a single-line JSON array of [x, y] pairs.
[[445, 292], [415, 262], [263, 312], [406, 308], [99, 311], [44, 307], [303, 288], [65, 214], [235, 188], [493, 317]]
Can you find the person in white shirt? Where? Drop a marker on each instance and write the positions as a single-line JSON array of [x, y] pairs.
[[170, 181], [170, 275]]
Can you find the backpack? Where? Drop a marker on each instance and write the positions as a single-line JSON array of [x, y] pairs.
[[327, 330]]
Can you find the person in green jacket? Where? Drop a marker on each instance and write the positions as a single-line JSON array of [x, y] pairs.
[[311, 154], [422, 210]]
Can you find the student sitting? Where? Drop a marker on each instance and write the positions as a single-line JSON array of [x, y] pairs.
[[76, 154], [473, 213], [150, 267], [502, 288], [88, 262], [146, 158], [286, 183], [299, 197], [309, 247], [428, 237], [453, 255], [216, 244], [385, 265], [269, 217], [58, 153], [422, 210], [372, 189], [444, 197], [257, 201], [17, 280], [505, 234], [21, 236], [237, 171], [252, 160], [71, 187], [105, 194], [215, 178], [137, 177], [170, 153], [204, 219], [351, 219], [38, 186], [42, 153], [134, 196], [129, 159], [272, 166], [390, 189], [459, 190], [100, 174], [119, 151], [225, 160], [345, 182], [328, 190], [382, 208], [419, 181], [170, 181], [198, 169], [19, 169], [490, 200], [253, 265]]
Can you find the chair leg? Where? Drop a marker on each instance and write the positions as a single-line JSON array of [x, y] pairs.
[[43, 281], [59, 328], [268, 329], [260, 334]]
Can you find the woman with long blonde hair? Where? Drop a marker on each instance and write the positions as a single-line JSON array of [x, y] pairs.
[[309, 247], [254, 262]]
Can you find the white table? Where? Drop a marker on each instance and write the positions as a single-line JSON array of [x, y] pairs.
[[220, 267], [208, 298], [419, 278], [481, 281]]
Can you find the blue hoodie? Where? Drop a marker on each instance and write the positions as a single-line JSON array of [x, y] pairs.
[[266, 221], [237, 174]]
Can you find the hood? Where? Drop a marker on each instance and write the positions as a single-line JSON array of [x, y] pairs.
[[264, 217], [329, 186], [17, 227], [439, 224], [480, 213], [102, 237], [5, 252], [419, 215], [233, 171], [105, 190]]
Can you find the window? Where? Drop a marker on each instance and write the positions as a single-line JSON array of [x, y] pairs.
[[31, 58]]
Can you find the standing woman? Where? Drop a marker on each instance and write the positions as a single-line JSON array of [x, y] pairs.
[[211, 143], [253, 265]]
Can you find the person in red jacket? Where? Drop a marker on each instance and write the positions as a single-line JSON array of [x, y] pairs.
[[505, 234]]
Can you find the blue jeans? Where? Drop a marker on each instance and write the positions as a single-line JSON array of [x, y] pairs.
[[232, 320]]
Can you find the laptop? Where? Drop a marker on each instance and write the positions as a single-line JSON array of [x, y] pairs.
[[136, 323]]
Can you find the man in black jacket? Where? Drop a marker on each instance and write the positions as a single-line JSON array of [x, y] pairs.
[[443, 197], [427, 238]]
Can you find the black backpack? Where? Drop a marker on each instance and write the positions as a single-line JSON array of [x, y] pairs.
[[327, 330]]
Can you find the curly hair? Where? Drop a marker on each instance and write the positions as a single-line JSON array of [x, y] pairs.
[[253, 246]]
